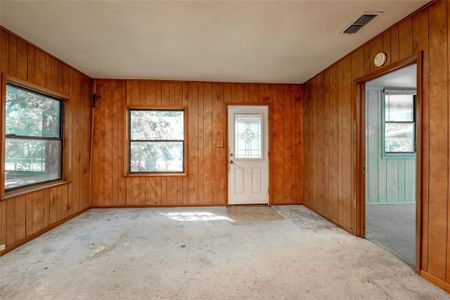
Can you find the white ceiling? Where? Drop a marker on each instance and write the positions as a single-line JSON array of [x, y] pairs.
[[227, 41], [403, 78]]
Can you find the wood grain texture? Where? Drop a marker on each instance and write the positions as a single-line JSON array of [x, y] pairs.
[[23, 216], [205, 183], [426, 30]]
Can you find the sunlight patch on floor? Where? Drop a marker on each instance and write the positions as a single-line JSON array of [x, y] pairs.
[[195, 216]]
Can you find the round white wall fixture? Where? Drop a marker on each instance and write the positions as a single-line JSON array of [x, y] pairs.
[[379, 59]]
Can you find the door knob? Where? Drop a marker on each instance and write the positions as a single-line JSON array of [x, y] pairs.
[[231, 162]]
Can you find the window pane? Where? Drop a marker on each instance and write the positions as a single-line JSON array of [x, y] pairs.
[[399, 108], [156, 157], [31, 114], [31, 161], [157, 125], [248, 136], [399, 137]]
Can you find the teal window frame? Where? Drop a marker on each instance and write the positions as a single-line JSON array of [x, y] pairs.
[[397, 155]]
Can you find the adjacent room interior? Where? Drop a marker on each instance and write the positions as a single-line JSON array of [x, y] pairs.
[[226, 149], [391, 162]]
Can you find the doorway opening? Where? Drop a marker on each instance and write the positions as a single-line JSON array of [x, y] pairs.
[[391, 162]]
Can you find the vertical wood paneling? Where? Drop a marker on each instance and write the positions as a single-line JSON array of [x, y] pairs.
[[219, 143], [12, 66], [438, 104], [40, 65], [349, 203], [387, 45], [30, 64], [447, 271], [276, 161], [4, 51], [3, 223], [405, 38], [347, 151], [287, 142], [427, 31], [193, 141], [74, 127], [97, 156], [37, 211], [16, 220], [109, 143], [297, 171], [333, 130], [394, 43], [58, 205], [22, 57], [205, 183], [208, 161], [201, 134], [28, 214]]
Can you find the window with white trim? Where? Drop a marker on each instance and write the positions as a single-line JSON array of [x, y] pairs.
[[399, 123]]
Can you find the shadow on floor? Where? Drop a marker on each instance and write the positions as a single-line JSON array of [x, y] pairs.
[[253, 213], [393, 227]]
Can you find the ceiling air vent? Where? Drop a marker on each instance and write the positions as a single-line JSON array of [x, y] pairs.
[[362, 21]]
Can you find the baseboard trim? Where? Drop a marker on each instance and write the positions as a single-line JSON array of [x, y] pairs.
[[389, 203], [158, 206], [328, 218], [179, 205], [436, 281], [42, 231]]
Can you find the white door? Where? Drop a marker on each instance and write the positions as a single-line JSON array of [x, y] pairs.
[[248, 154]]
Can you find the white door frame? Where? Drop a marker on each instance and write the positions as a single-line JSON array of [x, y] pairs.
[[269, 143]]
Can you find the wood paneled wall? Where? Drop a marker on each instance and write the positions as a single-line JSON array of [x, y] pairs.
[[330, 130], [27, 215], [206, 113]]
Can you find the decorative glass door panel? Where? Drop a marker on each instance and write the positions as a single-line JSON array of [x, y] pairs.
[[248, 136]]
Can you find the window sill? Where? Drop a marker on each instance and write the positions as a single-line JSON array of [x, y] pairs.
[[36, 188], [399, 156], [156, 175]]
